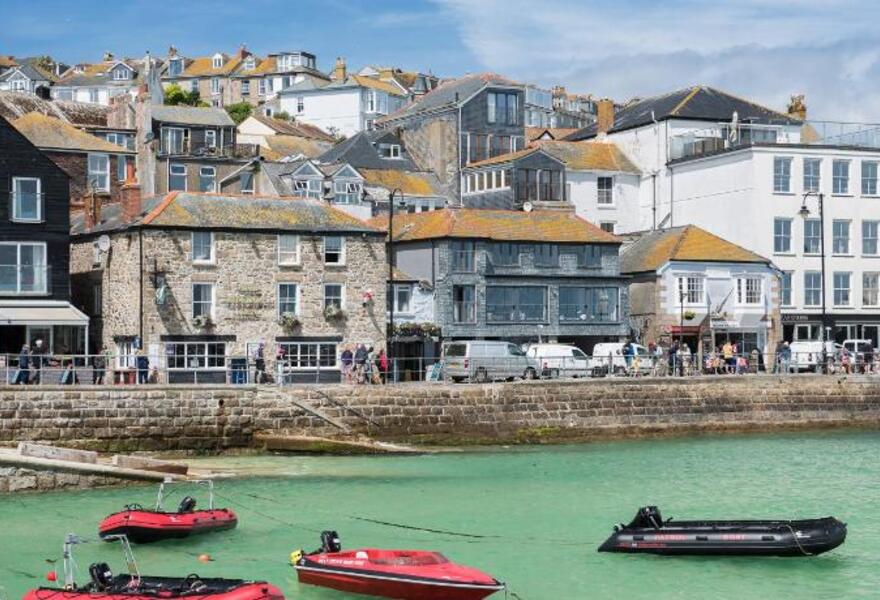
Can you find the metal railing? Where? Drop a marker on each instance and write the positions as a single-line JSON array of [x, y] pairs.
[[188, 148]]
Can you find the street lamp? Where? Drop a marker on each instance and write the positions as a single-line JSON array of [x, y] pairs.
[[389, 351], [804, 212]]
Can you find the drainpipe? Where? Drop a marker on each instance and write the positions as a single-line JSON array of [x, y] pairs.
[[654, 201], [141, 284], [458, 146]]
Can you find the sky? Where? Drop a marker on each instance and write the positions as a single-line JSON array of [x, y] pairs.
[[765, 50]]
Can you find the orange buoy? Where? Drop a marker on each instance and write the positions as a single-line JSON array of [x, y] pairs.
[[51, 576], [205, 558]]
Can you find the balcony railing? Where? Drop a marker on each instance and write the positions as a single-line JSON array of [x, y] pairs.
[[226, 151], [516, 313], [729, 136], [25, 280]]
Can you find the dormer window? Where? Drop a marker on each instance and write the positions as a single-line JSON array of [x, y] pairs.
[[175, 67], [217, 61], [249, 63], [121, 74], [389, 150]]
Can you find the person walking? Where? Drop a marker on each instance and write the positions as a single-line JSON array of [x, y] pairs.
[[24, 370], [628, 351], [260, 364], [360, 363], [673, 358], [143, 367], [99, 367], [786, 358], [37, 357], [727, 353], [347, 360], [383, 365]]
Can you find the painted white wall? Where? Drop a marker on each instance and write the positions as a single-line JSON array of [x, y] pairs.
[[252, 131], [583, 193], [421, 305], [338, 109], [361, 211], [82, 94]]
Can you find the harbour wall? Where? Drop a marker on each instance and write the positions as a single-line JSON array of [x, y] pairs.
[[217, 418]]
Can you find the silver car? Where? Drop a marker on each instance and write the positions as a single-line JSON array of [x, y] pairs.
[[482, 361]]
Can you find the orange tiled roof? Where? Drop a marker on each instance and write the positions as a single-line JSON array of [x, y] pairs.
[[263, 66], [409, 182], [48, 133], [689, 243], [378, 84], [499, 225], [203, 66], [7, 61], [590, 156]]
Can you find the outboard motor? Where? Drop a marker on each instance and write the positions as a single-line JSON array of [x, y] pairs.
[[648, 517], [330, 542], [187, 505], [101, 575]]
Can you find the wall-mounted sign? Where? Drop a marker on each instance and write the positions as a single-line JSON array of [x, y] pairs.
[[246, 304]]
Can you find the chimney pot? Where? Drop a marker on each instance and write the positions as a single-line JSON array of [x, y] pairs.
[[604, 115], [797, 108], [339, 70]]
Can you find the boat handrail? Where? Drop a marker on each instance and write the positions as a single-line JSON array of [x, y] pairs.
[[69, 563], [206, 482]]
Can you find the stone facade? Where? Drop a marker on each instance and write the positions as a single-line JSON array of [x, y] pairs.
[[245, 274], [433, 145], [17, 480]]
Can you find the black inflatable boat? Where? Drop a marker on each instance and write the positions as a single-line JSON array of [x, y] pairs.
[[648, 533]]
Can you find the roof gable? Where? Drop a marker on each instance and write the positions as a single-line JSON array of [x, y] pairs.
[[48, 133], [347, 171], [307, 169]]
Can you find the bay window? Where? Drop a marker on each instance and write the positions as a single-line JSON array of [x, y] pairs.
[[589, 304]]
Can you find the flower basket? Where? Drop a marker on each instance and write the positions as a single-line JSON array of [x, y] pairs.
[[689, 315], [289, 321], [202, 322], [334, 313]]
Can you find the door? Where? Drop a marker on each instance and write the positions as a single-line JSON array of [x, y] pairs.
[[42, 333], [872, 333]]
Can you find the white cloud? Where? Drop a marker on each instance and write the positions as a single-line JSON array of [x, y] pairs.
[[825, 49]]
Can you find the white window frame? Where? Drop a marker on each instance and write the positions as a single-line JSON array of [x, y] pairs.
[[346, 188], [834, 237], [876, 276], [287, 346], [782, 237], [253, 180], [286, 253], [15, 203], [817, 290], [219, 365], [876, 238], [211, 134], [121, 74], [835, 178], [95, 175], [394, 151], [603, 224], [782, 176], [215, 85], [341, 260], [246, 87], [341, 295], [409, 290], [683, 284], [742, 290], [216, 62], [873, 180], [184, 175], [212, 301], [835, 288], [296, 297], [261, 87], [782, 301], [609, 196], [310, 187], [818, 250], [249, 63], [167, 138], [40, 269], [212, 255], [213, 175]]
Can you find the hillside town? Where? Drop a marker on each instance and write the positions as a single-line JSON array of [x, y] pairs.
[[242, 217]]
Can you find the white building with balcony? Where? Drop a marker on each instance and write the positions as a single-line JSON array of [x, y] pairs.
[[741, 171]]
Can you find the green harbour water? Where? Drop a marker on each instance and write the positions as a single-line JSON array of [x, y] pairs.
[[542, 512]]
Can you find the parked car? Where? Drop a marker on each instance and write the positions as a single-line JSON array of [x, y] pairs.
[[607, 357], [484, 360], [861, 352], [806, 355], [560, 360]]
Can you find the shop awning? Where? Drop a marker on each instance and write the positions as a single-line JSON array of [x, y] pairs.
[[40, 312]]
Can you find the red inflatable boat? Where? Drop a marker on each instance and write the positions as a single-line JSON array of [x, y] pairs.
[[142, 525], [400, 574], [104, 585]]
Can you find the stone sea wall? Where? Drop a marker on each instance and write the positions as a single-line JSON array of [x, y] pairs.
[[213, 419], [18, 479]]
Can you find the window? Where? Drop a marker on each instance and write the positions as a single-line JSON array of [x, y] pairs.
[[347, 192], [840, 177], [177, 177], [99, 172], [690, 290], [207, 176], [249, 63], [27, 204], [869, 237], [23, 268], [333, 295], [121, 74], [515, 304], [202, 246], [307, 355], [840, 237], [499, 145], [121, 167], [502, 108], [393, 151], [96, 254], [589, 256], [479, 147], [196, 355], [261, 88], [246, 182], [288, 249], [210, 138], [300, 104], [246, 87], [287, 299], [463, 304], [812, 236], [842, 289], [93, 96], [781, 235], [194, 85], [462, 256], [174, 140], [785, 288], [203, 300], [748, 290], [215, 85], [812, 288], [546, 255], [870, 289], [310, 188], [505, 254], [607, 226], [126, 354], [606, 190], [781, 174], [869, 178], [334, 250], [175, 67], [590, 304], [217, 61], [402, 298]]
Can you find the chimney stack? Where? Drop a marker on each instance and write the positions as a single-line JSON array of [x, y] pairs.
[[131, 201], [339, 72], [604, 115], [91, 210], [797, 108]]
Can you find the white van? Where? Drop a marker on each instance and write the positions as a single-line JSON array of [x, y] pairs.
[[560, 360], [482, 361], [607, 357], [806, 355], [860, 351]]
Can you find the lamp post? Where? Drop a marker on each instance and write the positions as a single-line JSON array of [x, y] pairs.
[[681, 296], [389, 351], [804, 212]]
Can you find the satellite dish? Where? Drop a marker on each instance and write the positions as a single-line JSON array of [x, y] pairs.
[[104, 243], [528, 207]]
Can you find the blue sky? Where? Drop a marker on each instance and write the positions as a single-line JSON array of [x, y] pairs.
[[765, 50]]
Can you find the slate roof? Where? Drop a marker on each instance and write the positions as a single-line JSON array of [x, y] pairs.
[[555, 133], [192, 115], [282, 146], [18, 104], [190, 210], [411, 183], [689, 243], [700, 103], [590, 156], [360, 152], [499, 225], [99, 74], [48, 133], [350, 81], [443, 97], [298, 128], [30, 71]]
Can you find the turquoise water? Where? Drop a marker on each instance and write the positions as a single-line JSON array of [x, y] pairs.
[[543, 510]]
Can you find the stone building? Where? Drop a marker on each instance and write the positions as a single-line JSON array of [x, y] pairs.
[[200, 281], [690, 285], [515, 276]]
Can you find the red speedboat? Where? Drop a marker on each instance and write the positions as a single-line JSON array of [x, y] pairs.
[[142, 525], [400, 574], [104, 585]]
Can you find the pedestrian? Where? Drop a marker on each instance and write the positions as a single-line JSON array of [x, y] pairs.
[[786, 358], [371, 375], [347, 359], [99, 367], [628, 354], [260, 364], [37, 357], [143, 367], [24, 371], [727, 352], [673, 358], [383, 366], [360, 363], [68, 375]]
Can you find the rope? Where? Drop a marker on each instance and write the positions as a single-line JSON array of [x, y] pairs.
[[797, 541], [265, 515], [442, 531]]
